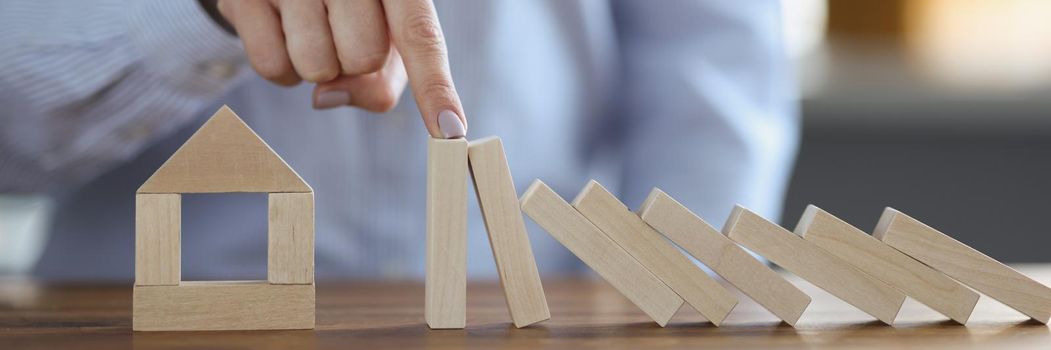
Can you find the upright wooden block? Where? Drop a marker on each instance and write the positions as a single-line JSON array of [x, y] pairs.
[[290, 232], [965, 264], [241, 305], [445, 303], [507, 234], [723, 256], [814, 265], [158, 218], [887, 264], [600, 253], [647, 246]]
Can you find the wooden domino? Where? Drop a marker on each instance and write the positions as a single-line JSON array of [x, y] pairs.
[[647, 246], [813, 264], [445, 286], [600, 252], [965, 264], [224, 155], [723, 256], [508, 239], [887, 264]]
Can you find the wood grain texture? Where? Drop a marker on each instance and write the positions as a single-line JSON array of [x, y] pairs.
[[290, 238], [241, 305], [600, 253], [446, 280], [751, 276], [508, 239], [586, 313], [965, 264], [158, 222], [647, 246], [811, 263], [887, 264], [224, 155]]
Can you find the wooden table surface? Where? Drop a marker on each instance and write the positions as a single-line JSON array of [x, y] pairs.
[[584, 314]]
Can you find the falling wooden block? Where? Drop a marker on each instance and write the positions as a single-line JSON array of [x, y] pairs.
[[445, 301], [240, 305], [965, 264], [290, 234], [158, 220], [507, 234], [600, 253], [707, 245], [224, 155], [887, 264], [814, 265], [647, 246]]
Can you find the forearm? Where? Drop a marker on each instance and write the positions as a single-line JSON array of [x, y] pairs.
[[88, 87]]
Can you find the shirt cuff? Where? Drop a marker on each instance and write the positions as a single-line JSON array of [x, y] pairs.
[[179, 41]]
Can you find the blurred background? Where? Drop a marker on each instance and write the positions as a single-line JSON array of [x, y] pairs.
[[938, 108]]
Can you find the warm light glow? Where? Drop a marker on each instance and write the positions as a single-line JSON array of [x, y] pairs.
[[982, 44]]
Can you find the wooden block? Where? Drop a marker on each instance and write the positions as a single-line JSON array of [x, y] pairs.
[[813, 264], [158, 220], [445, 303], [600, 253], [726, 258], [965, 264], [224, 155], [290, 247], [887, 264], [507, 234], [241, 305], [647, 246]]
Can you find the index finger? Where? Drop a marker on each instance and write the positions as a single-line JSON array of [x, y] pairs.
[[417, 34]]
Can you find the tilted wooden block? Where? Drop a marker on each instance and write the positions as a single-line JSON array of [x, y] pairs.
[[290, 247], [600, 253], [887, 264], [224, 155], [666, 262], [502, 214], [965, 264], [445, 301], [814, 265], [242, 305], [726, 258], [158, 220]]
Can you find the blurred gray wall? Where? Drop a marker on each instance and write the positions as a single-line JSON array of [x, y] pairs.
[[979, 171]]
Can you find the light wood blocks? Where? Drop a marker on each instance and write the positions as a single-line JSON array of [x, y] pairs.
[[224, 155], [707, 245], [965, 264], [508, 239], [445, 301], [814, 265], [647, 246], [600, 253], [887, 264]]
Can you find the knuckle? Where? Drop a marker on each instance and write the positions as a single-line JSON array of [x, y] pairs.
[[384, 101], [320, 74], [439, 90], [365, 63], [271, 70], [423, 32]]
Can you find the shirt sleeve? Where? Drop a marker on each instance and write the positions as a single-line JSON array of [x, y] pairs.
[[86, 85], [709, 108]]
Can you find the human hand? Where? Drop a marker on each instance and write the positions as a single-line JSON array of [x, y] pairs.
[[359, 52]]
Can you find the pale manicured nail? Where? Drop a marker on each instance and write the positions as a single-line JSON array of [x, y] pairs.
[[331, 99], [450, 125]]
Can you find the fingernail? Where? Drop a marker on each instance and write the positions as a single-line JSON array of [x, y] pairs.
[[331, 99], [450, 125]]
